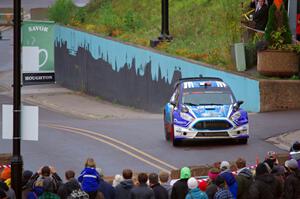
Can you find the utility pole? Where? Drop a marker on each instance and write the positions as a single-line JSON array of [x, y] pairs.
[[164, 34], [17, 162]]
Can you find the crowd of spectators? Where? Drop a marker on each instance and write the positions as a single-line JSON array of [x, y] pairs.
[[267, 180]]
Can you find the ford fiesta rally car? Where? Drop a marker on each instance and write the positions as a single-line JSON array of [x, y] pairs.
[[204, 108]]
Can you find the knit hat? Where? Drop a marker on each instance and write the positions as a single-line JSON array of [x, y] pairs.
[[224, 165], [192, 183], [202, 185], [213, 173], [295, 146], [292, 164], [5, 173], [185, 173]]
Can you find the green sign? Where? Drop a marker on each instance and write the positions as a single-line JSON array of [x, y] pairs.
[[37, 46]]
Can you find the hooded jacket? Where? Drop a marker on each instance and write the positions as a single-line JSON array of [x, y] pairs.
[[265, 186], [230, 181], [196, 194], [292, 186], [89, 179], [244, 180], [180, 188], [123, 189]]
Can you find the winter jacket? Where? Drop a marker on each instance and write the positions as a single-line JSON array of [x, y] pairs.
[[211, 190], [168, 187], [89, 179], [244, 180], [223, 193], [230, 181], [123, 189], [196, 194], [292, 186], [180, 189], [66, 189], [159, 191], [142, 192], [265, 186], [106, 189]]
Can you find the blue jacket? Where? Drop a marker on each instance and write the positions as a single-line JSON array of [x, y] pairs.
[[231, 182], [89, 179], [196, 194]]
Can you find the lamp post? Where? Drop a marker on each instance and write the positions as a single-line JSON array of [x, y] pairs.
[[17, 162], [164, 35]]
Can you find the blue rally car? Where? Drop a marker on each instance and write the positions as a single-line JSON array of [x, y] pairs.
[[204, 108]]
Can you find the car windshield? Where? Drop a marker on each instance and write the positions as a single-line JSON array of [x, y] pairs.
[[206, 98]]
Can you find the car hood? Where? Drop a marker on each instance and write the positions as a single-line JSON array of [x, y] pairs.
[[209, 110]]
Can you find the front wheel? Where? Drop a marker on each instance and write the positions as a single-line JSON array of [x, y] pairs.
[[175, 142], [243, 141]]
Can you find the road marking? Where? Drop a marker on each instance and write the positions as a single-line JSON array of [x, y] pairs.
[[93, 135]]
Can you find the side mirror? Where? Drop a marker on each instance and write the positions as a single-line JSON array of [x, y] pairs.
[[237, 105], [173, 103]]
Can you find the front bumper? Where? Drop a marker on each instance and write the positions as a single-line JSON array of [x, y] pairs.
[[235, 132]]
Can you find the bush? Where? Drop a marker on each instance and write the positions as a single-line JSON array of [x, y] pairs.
[[62, 11]]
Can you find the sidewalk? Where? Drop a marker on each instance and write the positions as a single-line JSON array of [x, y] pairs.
[[76, 104]]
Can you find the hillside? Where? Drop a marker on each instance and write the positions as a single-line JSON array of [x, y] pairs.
[[202, 29]]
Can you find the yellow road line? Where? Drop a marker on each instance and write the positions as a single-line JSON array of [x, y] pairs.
[[84, 132]]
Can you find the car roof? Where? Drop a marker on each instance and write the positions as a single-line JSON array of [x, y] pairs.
[[206, 83]]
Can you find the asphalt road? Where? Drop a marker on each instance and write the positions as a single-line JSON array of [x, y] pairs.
[[67, 148]]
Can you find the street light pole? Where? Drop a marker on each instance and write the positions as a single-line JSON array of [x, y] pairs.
[[17, 162], [164, 34]]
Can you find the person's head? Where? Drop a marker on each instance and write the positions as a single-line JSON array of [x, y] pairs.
[[192, 183], [220, 181], [185, 173], [26, 175], [240, 163], [164, 177], [295, 147], [153, 178], [203, 185], [127, 174], [213, 173], [45, 171], [142, 178], [5, 174], [90, 163], [261, 2], [272, 156], [117, 179], [69, 174], [291, 164], [48, 184], [261, 169], [224, 165]]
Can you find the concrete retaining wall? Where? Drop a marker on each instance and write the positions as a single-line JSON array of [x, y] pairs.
[[277, 95], [132, 75]]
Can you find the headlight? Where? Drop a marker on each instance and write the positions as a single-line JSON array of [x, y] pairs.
[[235, 116], [186, 117]]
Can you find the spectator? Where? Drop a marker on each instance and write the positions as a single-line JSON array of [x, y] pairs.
[[26, 187], [253, 3], [194, 191], [6, 179], [105, 188], [265, 184], [71, 185], [8, 190], [142, 191], [212, 187], [260, 16], [279, 173], [223, 192], [90, 178], [292, 182], [180, 187], [3, 195], [295, 152], [244, 178], [203, 185], [159, 191], [48, 186], [229, 178], [164, 181], [271, 157], [118, 178], [123, 189]]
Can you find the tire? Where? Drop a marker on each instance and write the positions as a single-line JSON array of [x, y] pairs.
[[175, 143], [243, 141], [167, 133]]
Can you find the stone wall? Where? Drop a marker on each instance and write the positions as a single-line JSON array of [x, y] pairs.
[[279, 95]]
